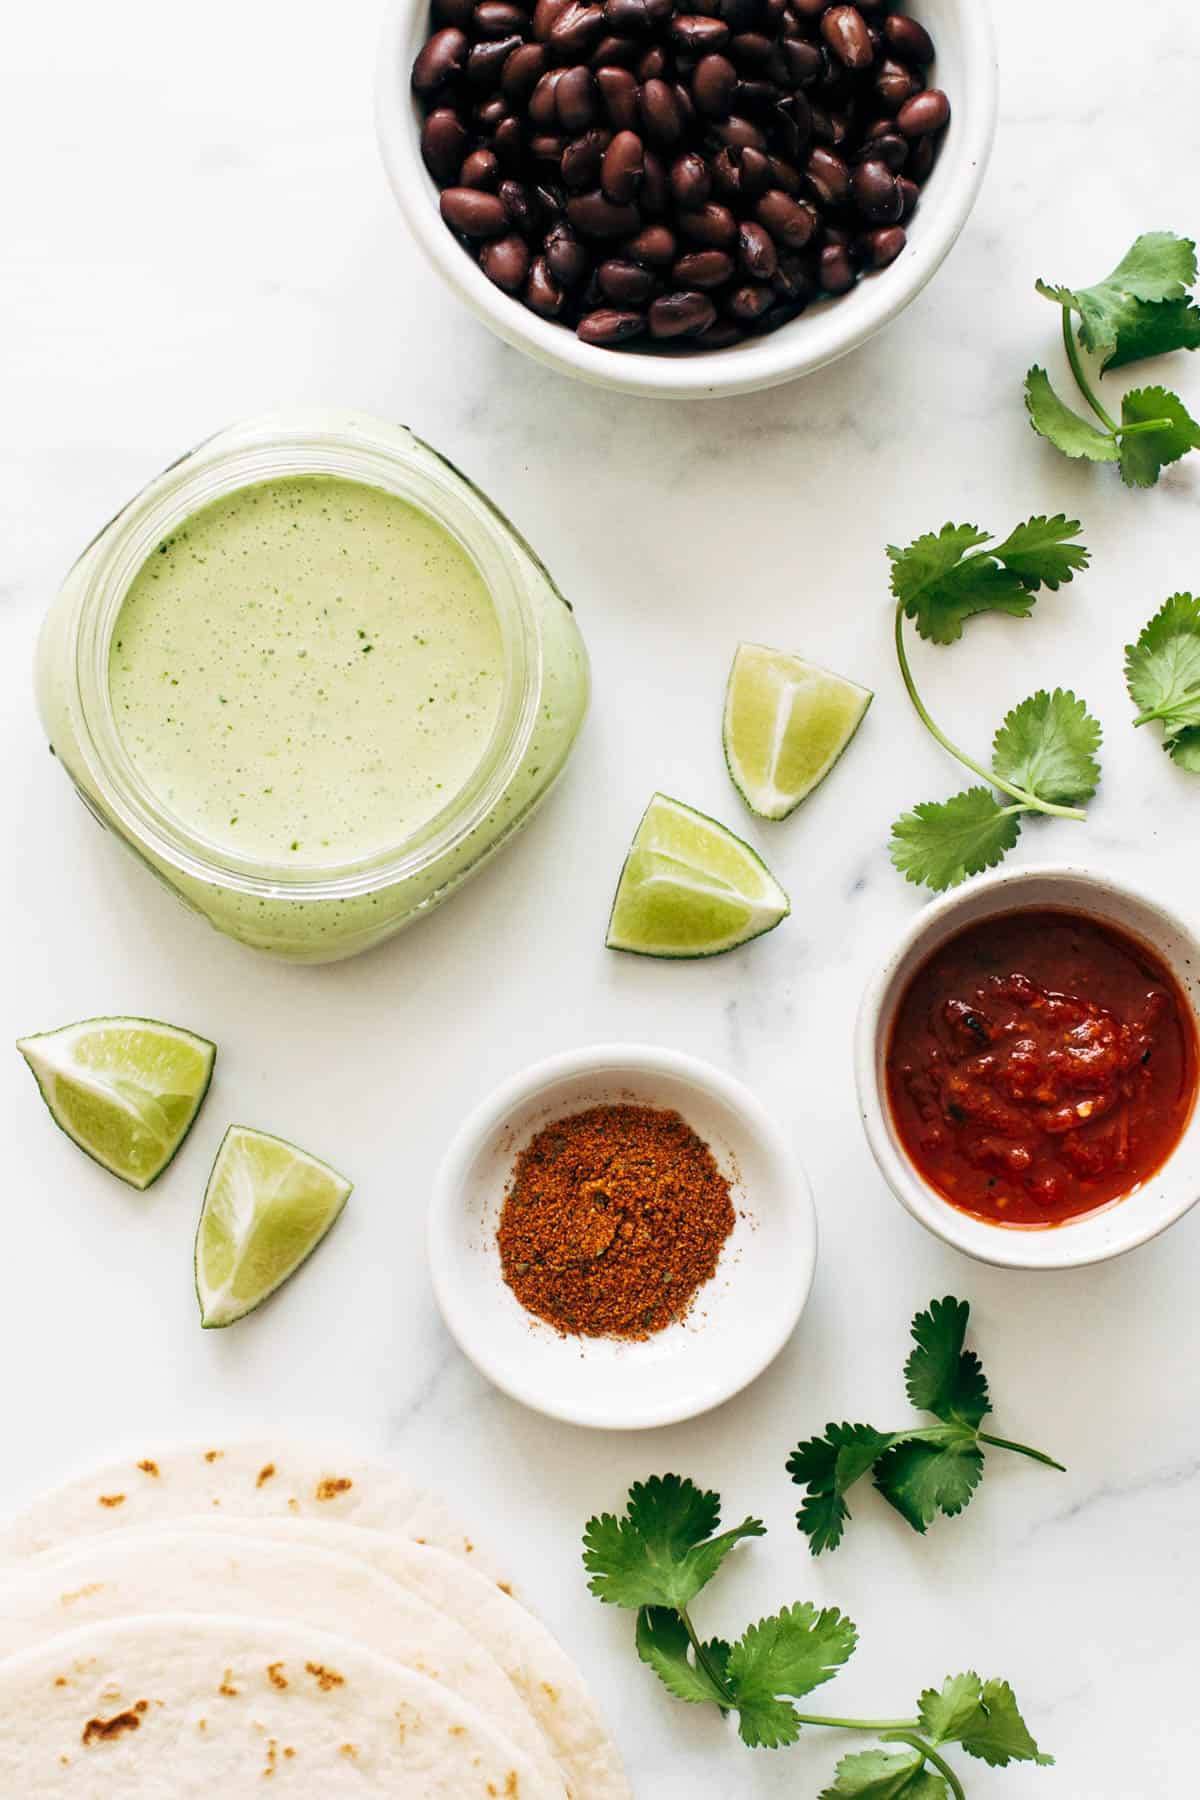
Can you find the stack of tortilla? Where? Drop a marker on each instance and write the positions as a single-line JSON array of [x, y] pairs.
[[197, 1623]]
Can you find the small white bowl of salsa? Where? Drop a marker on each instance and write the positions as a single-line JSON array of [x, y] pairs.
[[1027, 1061]]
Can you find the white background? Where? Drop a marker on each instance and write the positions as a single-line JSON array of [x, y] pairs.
[[195, 228]]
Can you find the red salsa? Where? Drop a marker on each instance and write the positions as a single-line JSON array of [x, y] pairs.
[[1041, 1064]]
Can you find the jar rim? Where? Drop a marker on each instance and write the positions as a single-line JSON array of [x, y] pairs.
[[352, 447]]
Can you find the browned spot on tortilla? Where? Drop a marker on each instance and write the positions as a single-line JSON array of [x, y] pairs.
[[148, 1467], [511, 1787], [99, 1731], [201, 1724], [330, 1486], [210, 1456], [458, 1731], [288, 1751], [350, 1750], [551, 1693], [60, 1681], [111, 1499], [325, 1678], [468, 1546], [272, 1758], [293, 1504], [265, 1474], [227, 1688], [65, 1761], [93, 1587], [505, 1588], [216, 1502]]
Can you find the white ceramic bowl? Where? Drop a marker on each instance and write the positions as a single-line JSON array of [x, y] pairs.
[[741, 1319], [966, 69], [1097, 1236]]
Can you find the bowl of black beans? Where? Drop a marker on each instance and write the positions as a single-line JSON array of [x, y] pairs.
[[686, 197]]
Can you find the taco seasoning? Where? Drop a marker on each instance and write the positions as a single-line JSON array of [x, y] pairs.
[[614, 1218]]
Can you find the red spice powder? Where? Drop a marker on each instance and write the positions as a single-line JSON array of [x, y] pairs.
[[613, 1220]]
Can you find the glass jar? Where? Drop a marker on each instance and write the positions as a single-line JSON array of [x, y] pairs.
[[318, 914]]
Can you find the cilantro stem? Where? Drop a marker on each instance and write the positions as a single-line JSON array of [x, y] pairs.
[[931, 1755], [999, 1443], [860, 1724], [1081, 380], [704, 1661], [1026, 802], [1182, 703]]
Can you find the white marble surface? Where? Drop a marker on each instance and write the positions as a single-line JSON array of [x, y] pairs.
[[196, 228]]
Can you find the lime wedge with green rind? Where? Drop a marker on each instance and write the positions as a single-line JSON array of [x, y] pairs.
[[127, 1091], [787, 721], [266, 1208], [689, 887]]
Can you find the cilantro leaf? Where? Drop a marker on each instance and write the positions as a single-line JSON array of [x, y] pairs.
[[1000, 1736], [660, 1553], [663, 1643], [1158, 267], [1185, 749], [1155, 331], [939, 590], [948, 1711], [1144, 454], [1040, 554], [828, 1466], [883, 1775], [1061, 426], [921, 1479], [1047, 745], [940, 1376], [1162, 670], [940, 843], [793, 1653]]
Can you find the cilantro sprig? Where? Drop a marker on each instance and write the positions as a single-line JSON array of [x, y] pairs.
[[1142, 309], [1162, 672], [1044, 753], [665, 1549], [920, 1471]]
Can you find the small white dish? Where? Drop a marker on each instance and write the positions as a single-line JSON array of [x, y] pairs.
[[1093, 1237], [966, 69], [739, 1321]]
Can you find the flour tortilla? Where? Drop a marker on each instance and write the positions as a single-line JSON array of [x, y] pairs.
[[178, 1707], [129, 1574], [542, 1674], [245, 1481]]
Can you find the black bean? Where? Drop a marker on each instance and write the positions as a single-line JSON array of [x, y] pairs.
[[506, 262], [651, 65], [894, 84], [681, 315], [545, 14], [789, 221], [453, 12], [660, 113], [440, 61], [656, 189], [697, 34], [810, 9], [655, 245], [521, 73], [886, 147], [542, 293], [472, 213], [487, 114], [508, 142], [618, 90], [486, 60], [443, 143], [749, 302], [794, 278], [877, 193], [740, 134], [827, 177], [721, 335], [756, 251], [479, 170], [751, 50], [606, 327], [583, 159], [691, 180], [711, 224], [626, 283], [566, 257], [548, 147], [920, 159], [908, 39], [519, 204], [594, 216], [575, 99], [883, 247], [614, 52], [713, 84], [621, 170], [551, 196], [784, 175], [923, 113], [703, 269], [910, 193], [497, 19], [543, 112], [804, 60], [845, 31], [576, 31], [836, 269]]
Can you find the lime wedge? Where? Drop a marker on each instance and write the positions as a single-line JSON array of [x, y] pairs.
[[125, 1090], [786, 723], [690, 888], [266, 1208]]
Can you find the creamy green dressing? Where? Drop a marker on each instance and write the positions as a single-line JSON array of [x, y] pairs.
[[307, 671]]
